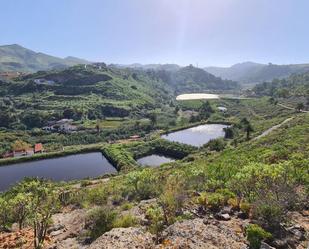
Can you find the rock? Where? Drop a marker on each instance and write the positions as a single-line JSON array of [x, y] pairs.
[[55, 233], [221, 216], [297, 231], [266, 246], [56, 227], [124, 238], [227, 210], [206, 221], [195, 234], [242, 215]]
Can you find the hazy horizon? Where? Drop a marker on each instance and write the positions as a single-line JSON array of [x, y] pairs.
[[203, 32]]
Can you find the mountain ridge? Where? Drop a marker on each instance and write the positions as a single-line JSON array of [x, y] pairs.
[[14, 57], [251, 72]]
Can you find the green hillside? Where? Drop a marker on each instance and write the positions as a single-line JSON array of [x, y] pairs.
[[17, 58]]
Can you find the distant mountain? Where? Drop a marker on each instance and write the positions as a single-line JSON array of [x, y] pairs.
[[17, 58], [167, 67], [251, 73]]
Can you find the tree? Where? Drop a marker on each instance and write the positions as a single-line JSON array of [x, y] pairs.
[[6, 118], [68, 113], [33, 119], [205, 110], [4, 214], [248, 129], [43, 201], [153, 119], [229, 132], [20, 145], [20, 208], [300, 106]]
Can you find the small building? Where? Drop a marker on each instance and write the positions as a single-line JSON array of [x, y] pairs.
[[66, 127], [38, 148], [222, 109], [19, 153]]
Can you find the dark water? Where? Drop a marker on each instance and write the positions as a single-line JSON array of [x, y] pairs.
[[197, 136], [154, 160], [58, 169]]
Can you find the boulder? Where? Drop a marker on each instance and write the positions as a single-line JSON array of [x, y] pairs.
[[124, 238], [195, 234], [221, 216]]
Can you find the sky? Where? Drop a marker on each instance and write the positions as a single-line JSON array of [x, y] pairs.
[[199, 32]]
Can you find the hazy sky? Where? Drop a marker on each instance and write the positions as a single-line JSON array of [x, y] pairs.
[[207, 32]]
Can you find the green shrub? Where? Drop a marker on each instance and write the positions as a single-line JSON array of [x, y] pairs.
[[97, 196], [172, 198], [99, 221], [156, 218], [215, 201], [126, 206], [4, 213], [256, 234], [269, 214], [143, 183], [227, 194], [216, 145], [245, 207], [125, 221]]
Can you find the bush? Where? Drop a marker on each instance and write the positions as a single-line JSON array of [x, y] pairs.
[[172, 198], [143, 183], [156, 218], [227, 194], [255, 235], [126, 206], [97, 196], [215, 201], [270, 215], [125, 221], [245, 207], [216, 145], [99, 221]]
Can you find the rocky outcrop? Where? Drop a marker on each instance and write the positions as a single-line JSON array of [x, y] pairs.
[[124, 238], [66, 228], [196, 234]]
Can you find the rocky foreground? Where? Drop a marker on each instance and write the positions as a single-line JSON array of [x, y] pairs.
[[222, 230]]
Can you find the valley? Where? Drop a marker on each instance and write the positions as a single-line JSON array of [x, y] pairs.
[[154, 158]]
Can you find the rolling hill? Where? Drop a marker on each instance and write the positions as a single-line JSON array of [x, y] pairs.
[[251, 73], [17, 58]]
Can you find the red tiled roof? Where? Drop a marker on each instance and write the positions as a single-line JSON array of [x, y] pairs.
[[38, 147]]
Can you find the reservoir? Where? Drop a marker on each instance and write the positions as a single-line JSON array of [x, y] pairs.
[[65, 168], [154, 160], [198, 135]]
